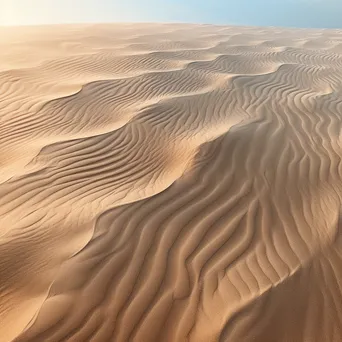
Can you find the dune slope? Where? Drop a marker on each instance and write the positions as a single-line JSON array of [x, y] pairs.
[[170, 183]]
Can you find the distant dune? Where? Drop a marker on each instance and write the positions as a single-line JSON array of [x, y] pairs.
[[170, 183]]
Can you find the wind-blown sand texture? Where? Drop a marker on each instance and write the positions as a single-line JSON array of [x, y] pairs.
[[170, 183]]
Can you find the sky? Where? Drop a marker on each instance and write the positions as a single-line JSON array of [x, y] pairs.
[[293, 13]]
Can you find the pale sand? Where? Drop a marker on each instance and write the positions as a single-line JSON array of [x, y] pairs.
[[170, 183]]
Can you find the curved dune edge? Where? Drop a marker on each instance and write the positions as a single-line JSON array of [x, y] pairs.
[[169, 183]]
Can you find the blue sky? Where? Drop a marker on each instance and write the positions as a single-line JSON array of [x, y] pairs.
[[299, 13]]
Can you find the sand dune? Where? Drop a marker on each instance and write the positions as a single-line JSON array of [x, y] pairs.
[[169, 183]]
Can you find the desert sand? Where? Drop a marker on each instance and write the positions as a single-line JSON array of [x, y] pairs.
[[170, 183]]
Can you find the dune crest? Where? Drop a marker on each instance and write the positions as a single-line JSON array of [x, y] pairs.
[[169, 183]]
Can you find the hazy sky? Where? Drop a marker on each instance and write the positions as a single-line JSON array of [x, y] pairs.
[[300, 13]]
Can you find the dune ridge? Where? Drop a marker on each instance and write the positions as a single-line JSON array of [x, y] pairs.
[[170, 182]]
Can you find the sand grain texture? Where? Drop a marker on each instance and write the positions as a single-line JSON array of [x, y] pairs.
[[170, 183]]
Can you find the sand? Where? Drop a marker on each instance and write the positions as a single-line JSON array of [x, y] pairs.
[[170, 183]]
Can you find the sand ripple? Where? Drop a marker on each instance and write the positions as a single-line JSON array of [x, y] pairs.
[[170, 183]]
